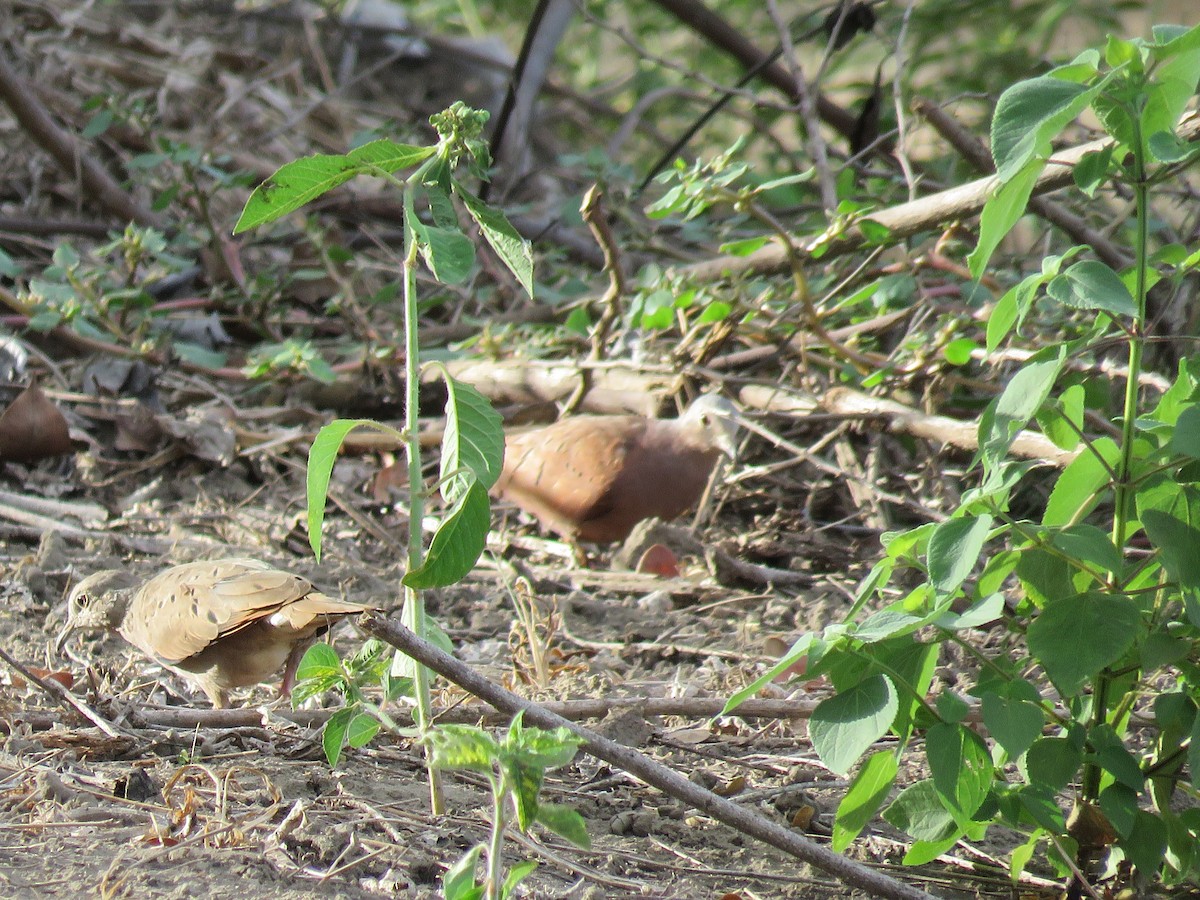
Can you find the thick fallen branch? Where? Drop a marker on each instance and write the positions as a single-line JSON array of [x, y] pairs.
[[641, 766], [907, 219]]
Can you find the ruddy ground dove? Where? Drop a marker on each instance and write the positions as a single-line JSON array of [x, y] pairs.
[[592, 478], [222, 624]]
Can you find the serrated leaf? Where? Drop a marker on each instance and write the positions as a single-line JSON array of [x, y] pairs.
[[1091, 284], [319, 661], [954, 550], [513, 250], [1015, 724], [361, 730], [1075, 637], [844, 727], [303, 180], [473, 439], [457, 543]]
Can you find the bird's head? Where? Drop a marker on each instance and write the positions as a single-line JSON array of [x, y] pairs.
[[97, 603], [717, 419]]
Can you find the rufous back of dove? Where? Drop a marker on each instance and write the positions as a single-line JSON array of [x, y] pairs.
[[221, 624], [593, 478]]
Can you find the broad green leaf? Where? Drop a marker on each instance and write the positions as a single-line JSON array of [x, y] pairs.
[[1091, 284], [1015, 724], [1114, 757], [1063, 422], [473, 439], [1001, 212], [1120, 805], [954, 551], [746, 246], [1185, 439], [303, 180], [565, 822], [1075, 637], [1044, 575], [1021, 399], [457, 543], [361, 730], [797, 652], [517, 873], [515, 252], [319, 661], [1003, 319], [1052, 763], [334, 736], [866, 794], [918, 812], [843, 727], [1090, 545], [461, 747], [321, 457], [961, 768], [459, 881], [1082, 483], [449, 254], [1170, 513], [1029, 115], [1146, 844], [924, 852]]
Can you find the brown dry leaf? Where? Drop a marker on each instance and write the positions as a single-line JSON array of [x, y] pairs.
[[205, 434], [735, 785], [137, 429], [802, 818], [32, 428], [66, 679]]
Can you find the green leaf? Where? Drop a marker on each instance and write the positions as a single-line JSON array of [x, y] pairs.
[[1029, 115], [746, 246], [462, 747], [459, 881], [334, 737], [473, 440], [361, 730], [319, 661], [517, 873], [1063, 422], [513, 251], [866, 794], [1081, 483], [1052, 763], [1170, 513], [303, 180], [958, 352], [795, 653], [954, 550], [1146, 844], [1112, 755], [961, 767], [457, 543], [447, 252], [1091, 284], [1088, 544], [1075, 637], [565, 822], [1022, 397], [1185, 439], [1015, 724], [1001, 213], [321, 457], [843, 727], [919, 812]]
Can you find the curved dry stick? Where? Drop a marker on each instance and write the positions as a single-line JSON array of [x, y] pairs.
[[629, 760], [908, 219], [71, 157]]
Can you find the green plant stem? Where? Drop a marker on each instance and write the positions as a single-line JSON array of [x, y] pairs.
[[1121, 493], [414, 602], [494, 884]]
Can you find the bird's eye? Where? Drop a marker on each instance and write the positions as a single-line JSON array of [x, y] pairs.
[[83, 600]]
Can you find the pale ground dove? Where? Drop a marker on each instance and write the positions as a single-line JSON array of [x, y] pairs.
[[592, 478], [222, 624]]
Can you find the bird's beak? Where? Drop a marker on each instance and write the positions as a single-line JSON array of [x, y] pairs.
[[61, 642]]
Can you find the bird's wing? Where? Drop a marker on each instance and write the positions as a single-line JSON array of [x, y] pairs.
[[564, 473], [183, 610]]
